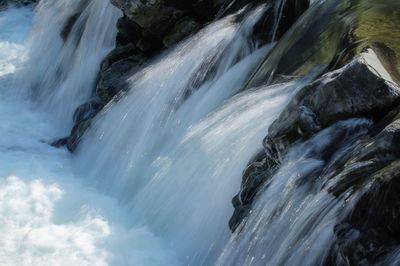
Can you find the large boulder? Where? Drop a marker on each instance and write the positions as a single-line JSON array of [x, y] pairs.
[[361, 88]]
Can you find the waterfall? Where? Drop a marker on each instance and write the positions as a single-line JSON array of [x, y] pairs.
[[156, 164], [69, 40], [153, 179], [180, 103]]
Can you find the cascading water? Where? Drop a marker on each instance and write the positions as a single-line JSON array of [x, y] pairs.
[[158, 119], [67, 45], [47, 216], [181, 87], [153, 179]]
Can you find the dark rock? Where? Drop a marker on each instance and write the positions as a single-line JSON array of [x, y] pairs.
[[308, 122], [119, 53], [357, 89], [150, 45], [87, 111], [372, 229], [114, 78], [59, 142], [259, 170], [363, 88], [154, 15], [206, 9], [129, 32], [183, 28], [77, 133], [367, 156], [82, 118]]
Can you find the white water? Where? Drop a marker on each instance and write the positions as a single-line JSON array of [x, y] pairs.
[[175, 171], [173, 166], [153, 180], [47, 217], [63, 74]]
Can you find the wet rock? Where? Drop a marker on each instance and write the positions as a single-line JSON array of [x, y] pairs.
[[183, 28], [257, 173], [119, 53], [129, 32], [366, 156], [308, 122], [87, 111], [59, 142], [77, 133], [206, 9], [114, 78], [372, 230], [82, 119], [155, 15], [361, 88]]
